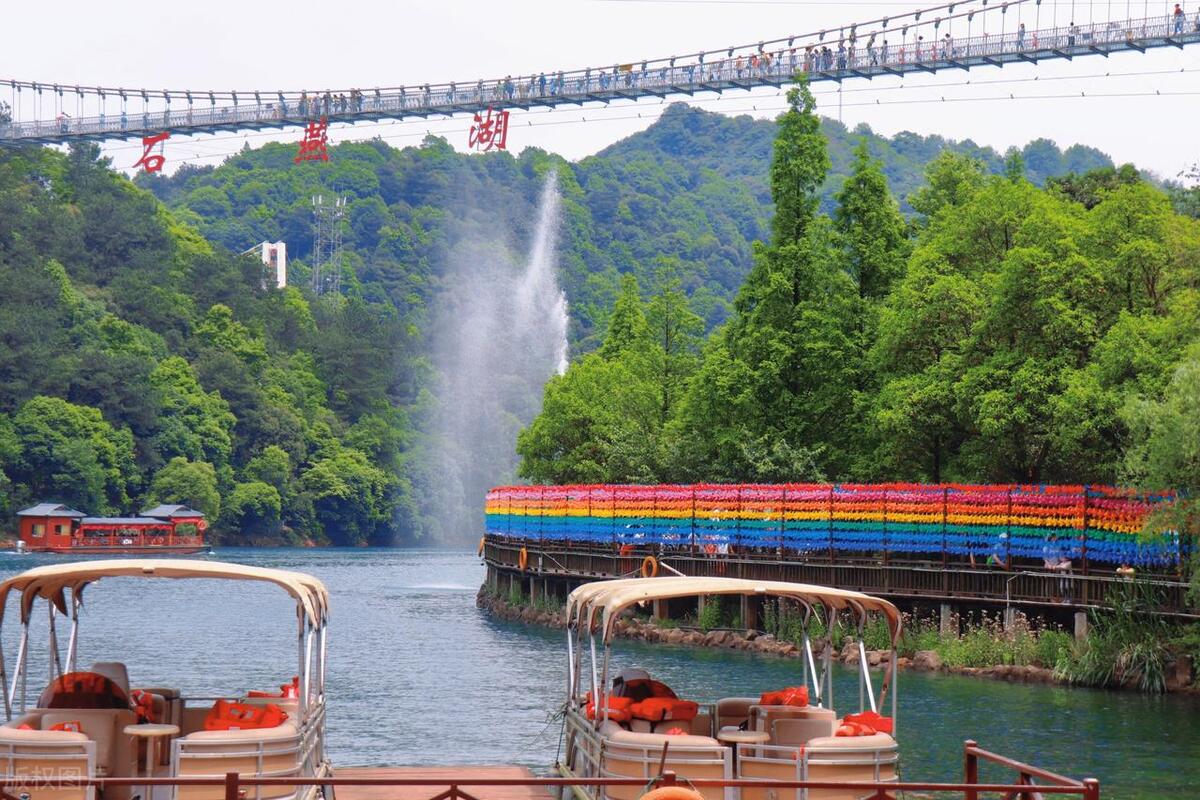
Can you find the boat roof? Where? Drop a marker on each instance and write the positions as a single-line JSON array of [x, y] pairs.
[[610, 598], [50, 582]]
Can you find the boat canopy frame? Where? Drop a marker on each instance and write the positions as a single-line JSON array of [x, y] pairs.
[[62, 587], [594, 608]]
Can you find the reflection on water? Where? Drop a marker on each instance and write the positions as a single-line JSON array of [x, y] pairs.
[[418, 675]]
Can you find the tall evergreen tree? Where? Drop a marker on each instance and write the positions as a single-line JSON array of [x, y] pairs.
[[871, 231]]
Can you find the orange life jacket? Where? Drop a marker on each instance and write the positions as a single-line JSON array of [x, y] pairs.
[[855, 729], [657, 709], [74, 726], [791, 696], [871, 719], [225, 716], [143, 704], [619, 708]]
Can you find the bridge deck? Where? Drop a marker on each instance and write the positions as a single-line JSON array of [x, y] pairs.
[[666, 77]]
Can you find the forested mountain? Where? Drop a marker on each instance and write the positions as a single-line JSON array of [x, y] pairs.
[[142, 361], [688, 196]]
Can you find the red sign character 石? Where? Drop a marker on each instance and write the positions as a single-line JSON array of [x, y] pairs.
[[489, 132], [152, 162], [313, 147]]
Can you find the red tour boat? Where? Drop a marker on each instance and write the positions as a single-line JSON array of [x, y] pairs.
[[162, 530]]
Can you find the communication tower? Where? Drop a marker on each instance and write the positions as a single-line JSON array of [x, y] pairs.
[[327, 244]]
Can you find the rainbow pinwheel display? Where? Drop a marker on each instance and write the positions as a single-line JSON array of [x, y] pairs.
[[1103, 524]]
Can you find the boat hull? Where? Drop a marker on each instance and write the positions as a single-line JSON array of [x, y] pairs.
[[124, 550]]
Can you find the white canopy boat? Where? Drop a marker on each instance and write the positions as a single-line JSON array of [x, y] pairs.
[[92, 723], [635, 726]]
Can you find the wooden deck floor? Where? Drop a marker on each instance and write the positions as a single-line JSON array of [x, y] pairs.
[[439, 778]]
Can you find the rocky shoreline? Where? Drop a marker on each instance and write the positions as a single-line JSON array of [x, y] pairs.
[[763, 643]]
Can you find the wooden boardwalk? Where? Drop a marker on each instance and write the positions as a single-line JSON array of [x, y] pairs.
[[439, 778]]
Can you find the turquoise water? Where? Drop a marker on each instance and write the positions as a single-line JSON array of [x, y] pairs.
[[418, 675]]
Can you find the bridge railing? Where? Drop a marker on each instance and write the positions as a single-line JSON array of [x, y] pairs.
[[741, 68]]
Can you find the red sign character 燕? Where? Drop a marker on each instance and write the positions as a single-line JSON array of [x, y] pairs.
[[152, 162], [313, 145], [489, 132]]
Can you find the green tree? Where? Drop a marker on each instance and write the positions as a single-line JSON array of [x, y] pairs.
[[798, 165], [69, 453], [627, 327], [349, 497], [871, 232], [193, 424], [192, 483], [252, 508]]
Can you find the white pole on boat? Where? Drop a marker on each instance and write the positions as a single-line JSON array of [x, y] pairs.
[[324, 652], [595, 677], [895, 689], [55, 665], [4, 685], [865, 669], [308, 671], [302, 673], [570, 664], [73, 639], [19, 673], [827, 658]]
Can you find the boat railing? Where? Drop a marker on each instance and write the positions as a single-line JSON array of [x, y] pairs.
[[237, 787]]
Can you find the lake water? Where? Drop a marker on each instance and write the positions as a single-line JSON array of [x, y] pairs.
[[418, 675]]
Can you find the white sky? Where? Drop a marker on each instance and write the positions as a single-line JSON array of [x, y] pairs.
[[268, 45]]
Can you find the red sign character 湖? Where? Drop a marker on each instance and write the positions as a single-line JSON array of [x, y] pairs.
[[489, 132]]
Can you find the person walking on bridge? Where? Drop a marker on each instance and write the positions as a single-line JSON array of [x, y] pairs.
[[872, 53], [1021, 36], [1178, 14], [1071, 31]]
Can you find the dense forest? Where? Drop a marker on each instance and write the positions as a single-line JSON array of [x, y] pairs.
[[142, 361], [1005, 332]]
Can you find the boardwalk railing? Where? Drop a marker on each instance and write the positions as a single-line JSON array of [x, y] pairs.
[[1087, 525], [768, 64], [237, 787]]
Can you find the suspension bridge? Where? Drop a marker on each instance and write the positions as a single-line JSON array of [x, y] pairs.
[[952, 36]]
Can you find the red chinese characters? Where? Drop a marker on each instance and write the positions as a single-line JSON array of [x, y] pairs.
[[152, 162], [314, 145], [489, 132]]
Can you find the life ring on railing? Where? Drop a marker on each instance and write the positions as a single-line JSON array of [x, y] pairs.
[[625, 550], [649, 567], [523, 559], [482, 542], [710, 549], [672, 793]]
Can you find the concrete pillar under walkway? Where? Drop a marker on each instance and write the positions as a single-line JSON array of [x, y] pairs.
[[946, 620], [1081, 625]]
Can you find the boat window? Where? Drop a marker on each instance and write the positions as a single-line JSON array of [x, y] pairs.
[[39, 529]]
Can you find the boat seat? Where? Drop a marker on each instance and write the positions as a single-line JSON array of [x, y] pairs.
[[115, 753], [638, 755], [115, 671], [762, 718], [43, 755], [799, 731], [269, 752], [733, 711]]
